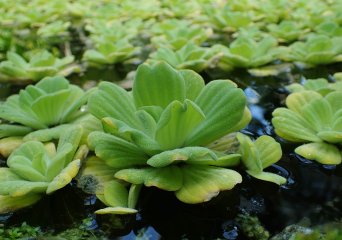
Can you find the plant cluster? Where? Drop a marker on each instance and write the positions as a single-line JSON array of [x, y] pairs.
[[109, 32], [171, 131], [313, 116]]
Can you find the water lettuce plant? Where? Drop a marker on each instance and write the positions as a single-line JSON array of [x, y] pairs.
[[329, 28], [40, 111], [260, 154], [320, 85], [287, 31], [315, 120], [109, 52], [35, 169], [190, 56], [157, 134], [54, 30], [244, 52], [178, 36], [225, 19], [318, 49], [39, 64]]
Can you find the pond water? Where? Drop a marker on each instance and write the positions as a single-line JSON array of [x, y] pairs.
[[313, 191]]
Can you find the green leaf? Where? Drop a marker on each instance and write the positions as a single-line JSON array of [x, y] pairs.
[[8, 130], [116, 152], [331, 136], [167, 178], [223, 105], [246, 118], [194, 83], [94, 174], [188, 154], [269, 177], [49, 109], [335, 99], [296, 101], [9, 69], [64, 177], [94, 56], [316, 84], [29, 161], [45, 135], [115, 194], [11, 111], [269, 150], [223, 161], [13, 185], [59, 161], [71, 135], [158, 85], [17, 60], [53, 84], [318, 113], [321, 152], [10, 204], [116, 211], [249, 153], [176, 123], [133, 195], [148, 122], [73, 103], [202, 183], [154, 111], [115, 102], [292, 126], [123, 131], [225, 144]]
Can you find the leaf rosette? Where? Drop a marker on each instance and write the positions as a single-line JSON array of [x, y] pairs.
[[245, 52], [40, 64], [190, 56], [315, 120], [42, 111], [35, 169], [318, 49], [157, 134], [108, 52], [320, 85], [260, 154]]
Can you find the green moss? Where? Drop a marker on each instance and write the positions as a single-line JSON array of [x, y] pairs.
[[24, 231], [252, 227]]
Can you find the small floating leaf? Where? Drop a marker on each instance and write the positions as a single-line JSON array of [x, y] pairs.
[[202, 183], [167, 178], [269, 177], [321, 152], [116, 210]]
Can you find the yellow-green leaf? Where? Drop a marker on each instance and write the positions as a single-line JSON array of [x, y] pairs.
[[321, 152]]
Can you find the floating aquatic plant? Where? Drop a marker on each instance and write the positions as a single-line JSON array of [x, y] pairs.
[[286, 31], [318, 49], [54, 30], [320, 85], [157, 135], [225, 19], [190, 56], [244, 52], [39, 64], [260, 154], [40, 112], [176, 34], [109, 52], [315, 120], [35, 169]]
